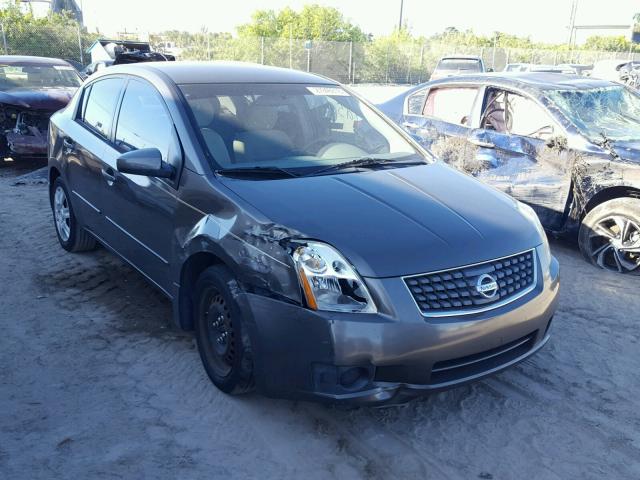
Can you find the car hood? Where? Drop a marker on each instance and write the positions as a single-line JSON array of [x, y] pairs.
[[44, 98], [396, 222]]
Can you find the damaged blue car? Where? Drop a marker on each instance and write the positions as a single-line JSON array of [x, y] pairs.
[[569, 146]]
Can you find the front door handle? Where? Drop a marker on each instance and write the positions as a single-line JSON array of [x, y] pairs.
[[68, 144], [478, 142], [109, 175], [415, 126]]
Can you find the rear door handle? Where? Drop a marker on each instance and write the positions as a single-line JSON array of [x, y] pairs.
[[410, 125], [109, 175]]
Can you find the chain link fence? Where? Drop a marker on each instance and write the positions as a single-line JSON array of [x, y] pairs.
[[68, 42], [382, 60]]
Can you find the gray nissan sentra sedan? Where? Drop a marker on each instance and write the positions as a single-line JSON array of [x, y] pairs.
[[317, 251]]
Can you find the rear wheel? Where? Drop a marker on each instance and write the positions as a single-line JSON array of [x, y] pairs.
[[71, 235], [223, 341], [610, 235]]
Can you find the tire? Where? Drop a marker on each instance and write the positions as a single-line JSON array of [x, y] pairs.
[[223, 341], [609, 235], [71, 235]]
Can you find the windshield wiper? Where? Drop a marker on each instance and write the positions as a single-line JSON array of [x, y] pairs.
[[364, 162], [607, 144], [271, 171]]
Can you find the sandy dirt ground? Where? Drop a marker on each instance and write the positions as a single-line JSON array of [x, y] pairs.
[[96, 383]]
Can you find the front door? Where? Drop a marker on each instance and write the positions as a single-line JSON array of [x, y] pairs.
[[519, 149]]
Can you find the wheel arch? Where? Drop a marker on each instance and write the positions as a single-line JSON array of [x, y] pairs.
[[54, 173], [607, 194], [191, 269]]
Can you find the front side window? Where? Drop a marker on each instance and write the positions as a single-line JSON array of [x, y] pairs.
[[143, 121], [101, 103], [290, 126], [610, 111], [513, 114], [452, 105], [38, 76]]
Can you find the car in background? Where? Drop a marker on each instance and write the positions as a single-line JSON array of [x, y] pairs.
[[31, 90], [458, 65], [315, 248], [580, 68], [569, 146], [608, 69]]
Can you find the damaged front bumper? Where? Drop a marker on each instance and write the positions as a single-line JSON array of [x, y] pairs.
[[390, 357], [29, 135]]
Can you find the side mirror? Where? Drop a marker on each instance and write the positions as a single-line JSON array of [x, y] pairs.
[[145, 161]]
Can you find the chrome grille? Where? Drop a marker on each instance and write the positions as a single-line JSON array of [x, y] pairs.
[[455, 292]]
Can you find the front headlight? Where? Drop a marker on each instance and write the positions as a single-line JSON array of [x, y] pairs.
[[328, 281], [544, 251]]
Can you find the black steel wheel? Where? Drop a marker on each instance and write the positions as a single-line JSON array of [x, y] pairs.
[[223, 341]]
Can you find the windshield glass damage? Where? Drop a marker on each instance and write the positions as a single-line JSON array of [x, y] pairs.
[[31, 76], [610, 111], [291, 128]]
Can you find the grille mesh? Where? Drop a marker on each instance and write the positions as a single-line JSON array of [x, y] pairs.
[[453, 291]]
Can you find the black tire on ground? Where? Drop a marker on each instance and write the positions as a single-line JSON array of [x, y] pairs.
[[223, 340], [78, 239], [609, 235]]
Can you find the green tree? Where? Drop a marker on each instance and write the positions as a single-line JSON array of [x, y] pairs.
[[313, 22]]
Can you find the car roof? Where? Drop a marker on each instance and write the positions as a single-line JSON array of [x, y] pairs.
[[460, 57], [529, 80], [222, 72], [31, 61]]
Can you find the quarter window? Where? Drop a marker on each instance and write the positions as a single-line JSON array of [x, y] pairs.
[[143, 121], [452, 105], [415, 102], [101, 104]]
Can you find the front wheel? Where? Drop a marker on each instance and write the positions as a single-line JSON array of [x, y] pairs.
[[223, 341], [71, 235], [610, 235]]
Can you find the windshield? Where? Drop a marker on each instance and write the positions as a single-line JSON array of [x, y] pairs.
[[38, 76], [293, 127], [613, 111], [459, 64]]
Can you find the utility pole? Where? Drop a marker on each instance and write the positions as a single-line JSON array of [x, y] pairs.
[[400, 21], [572, 22]]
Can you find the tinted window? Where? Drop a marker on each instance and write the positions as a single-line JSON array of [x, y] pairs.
[[101, 104], [143, 121], [38, 76], [451, 105]]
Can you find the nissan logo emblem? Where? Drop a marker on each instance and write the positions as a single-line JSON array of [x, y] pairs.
[[487, 286]]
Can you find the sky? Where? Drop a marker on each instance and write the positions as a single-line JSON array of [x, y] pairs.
[[542, 20]]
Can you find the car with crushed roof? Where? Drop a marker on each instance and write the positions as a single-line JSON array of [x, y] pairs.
[[316, 249], [567, 145], [31, 90]]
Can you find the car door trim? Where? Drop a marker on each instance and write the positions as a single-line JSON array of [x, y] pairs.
[[96, 209], [142, 244]]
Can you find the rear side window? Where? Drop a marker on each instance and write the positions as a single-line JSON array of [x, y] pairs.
[[452, 105], [415, 102], [143, 121], [101, 104]]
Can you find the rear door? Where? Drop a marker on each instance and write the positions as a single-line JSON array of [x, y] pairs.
[[518, 150], [139, 209], [440, 119], [84, 148]]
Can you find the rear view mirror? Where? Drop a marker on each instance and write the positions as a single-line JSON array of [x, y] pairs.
[[489, 70], [145, 161]]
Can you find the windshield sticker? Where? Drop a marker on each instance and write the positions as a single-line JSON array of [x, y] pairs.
[[62, 67], [328, 91]]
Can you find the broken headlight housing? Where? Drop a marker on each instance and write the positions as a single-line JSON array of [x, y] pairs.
[[329, 281]]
